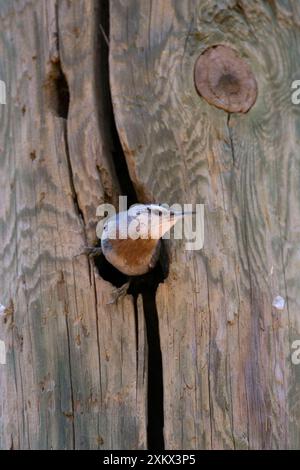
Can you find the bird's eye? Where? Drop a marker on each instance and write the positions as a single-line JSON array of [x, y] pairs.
[[154, 211]]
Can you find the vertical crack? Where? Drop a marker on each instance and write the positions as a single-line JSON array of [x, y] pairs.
[[230, 134], [71, 384], [145, 285], [59, 97], [155, 391], [209, 363], [117, 154], [71, 177]]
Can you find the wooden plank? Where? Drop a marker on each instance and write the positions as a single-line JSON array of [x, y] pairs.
[[228, 377], [70, 379]]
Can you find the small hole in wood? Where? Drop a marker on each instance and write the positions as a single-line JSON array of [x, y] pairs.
[[57, 90]]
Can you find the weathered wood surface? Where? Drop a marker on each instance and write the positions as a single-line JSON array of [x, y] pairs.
[[71, 379], [228, 377]]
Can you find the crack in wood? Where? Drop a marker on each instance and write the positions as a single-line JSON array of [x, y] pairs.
[[78, 209], [147, 285], [63, 108], [230, 134]]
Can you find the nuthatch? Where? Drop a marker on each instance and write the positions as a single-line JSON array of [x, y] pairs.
[[130, 240]]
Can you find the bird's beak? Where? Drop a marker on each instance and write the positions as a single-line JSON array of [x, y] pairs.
[[172, 218], [167, 221]]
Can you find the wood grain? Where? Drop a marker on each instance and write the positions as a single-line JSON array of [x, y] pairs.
[[71, 376], [228, 377]]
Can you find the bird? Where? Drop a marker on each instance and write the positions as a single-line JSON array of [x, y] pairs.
[[131, 239]]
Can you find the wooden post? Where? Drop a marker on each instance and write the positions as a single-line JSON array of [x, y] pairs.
[[75, 371], [229, 382], [71, 374]]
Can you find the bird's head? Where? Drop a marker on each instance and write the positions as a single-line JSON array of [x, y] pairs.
[[147, 221], [152, 220]]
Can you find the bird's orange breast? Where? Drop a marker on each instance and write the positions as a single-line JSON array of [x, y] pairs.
[[132, 257], [134, 251]]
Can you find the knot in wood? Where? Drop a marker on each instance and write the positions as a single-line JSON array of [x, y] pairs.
[[225, 80]]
